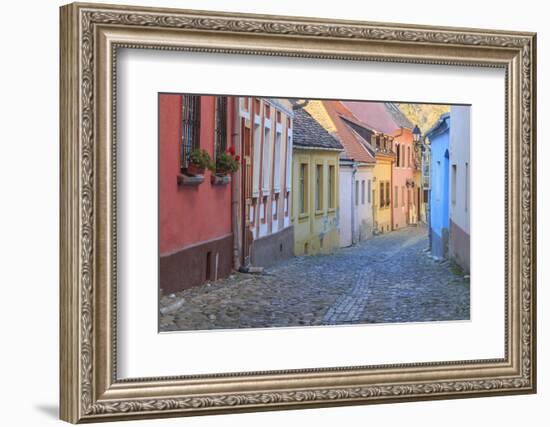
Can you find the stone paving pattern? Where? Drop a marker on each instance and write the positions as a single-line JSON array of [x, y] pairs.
[[389, 278]]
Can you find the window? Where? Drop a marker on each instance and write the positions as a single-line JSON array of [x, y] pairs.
[[398, 153], [466, 186], [368, 194], [402, 196], [319, 187], [247, 185], [266, 161], [453, 184], [363, 192], [288, 178], [277, 163], [395, 194], [356, 193], [303, 188], [275, 206], [331, 186], [382, 202], [252, 217], [191, 113], [287, 200], [408, 157], [388, 195], [245, 102], [221, 124], [264, 212], [256, 162]]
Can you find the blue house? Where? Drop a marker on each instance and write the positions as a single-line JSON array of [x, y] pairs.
[[438, 136]]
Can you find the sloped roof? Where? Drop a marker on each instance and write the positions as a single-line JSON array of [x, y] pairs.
[[440, 126], [383, 117], [308, 133], [365, 135], [354, 147], [400, 119]]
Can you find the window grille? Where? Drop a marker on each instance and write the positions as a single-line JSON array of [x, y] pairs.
[[191, 111], [221, 124]]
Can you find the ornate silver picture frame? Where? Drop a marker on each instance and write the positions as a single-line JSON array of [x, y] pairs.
[[91, 35]]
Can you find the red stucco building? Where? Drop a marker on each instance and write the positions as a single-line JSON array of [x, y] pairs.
[[195, 221]]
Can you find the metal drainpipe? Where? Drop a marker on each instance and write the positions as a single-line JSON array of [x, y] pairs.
[[235, 194], [428, 206], [353, 172]]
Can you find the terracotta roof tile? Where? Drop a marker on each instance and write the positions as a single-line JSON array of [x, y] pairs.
[[352, 142], [383, 117]]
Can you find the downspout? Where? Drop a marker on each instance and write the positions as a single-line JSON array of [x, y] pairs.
[[391, 194], [353, 172], [235, 193]]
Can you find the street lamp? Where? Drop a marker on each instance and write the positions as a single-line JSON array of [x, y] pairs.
[[416, 134]]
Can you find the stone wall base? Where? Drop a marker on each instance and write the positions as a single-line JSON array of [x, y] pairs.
[[440, 244], [459, 247], [195, 265], [272, 248]]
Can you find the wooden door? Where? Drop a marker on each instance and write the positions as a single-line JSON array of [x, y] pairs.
[[246, 145]]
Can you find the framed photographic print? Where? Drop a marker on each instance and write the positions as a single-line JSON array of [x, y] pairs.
[[267, 212]]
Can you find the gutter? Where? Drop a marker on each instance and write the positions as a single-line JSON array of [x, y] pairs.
[[352, 198], [301, 147]]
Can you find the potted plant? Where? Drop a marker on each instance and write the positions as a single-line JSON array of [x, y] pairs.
[[227, 162], [199, 161]]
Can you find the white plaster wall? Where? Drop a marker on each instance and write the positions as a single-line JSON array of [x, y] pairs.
[[460, 155], [263, 225], [363, 219], [345, 206]]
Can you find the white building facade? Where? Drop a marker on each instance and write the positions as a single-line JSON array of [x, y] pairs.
[[266, 140], [459, 191], [355, 213]]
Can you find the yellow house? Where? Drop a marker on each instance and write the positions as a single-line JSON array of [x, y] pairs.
[[315, 186], [381, 192]]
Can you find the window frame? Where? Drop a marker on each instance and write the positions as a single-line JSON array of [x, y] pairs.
[[319, 187], [331, 177], [303, 193]]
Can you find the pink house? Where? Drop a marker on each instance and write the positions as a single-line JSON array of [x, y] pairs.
[[406, 192]]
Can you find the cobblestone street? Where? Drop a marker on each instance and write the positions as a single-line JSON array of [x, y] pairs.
[[389, 278]]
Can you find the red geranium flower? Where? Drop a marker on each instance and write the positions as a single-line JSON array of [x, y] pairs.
[[237, 158], [231, 151]]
